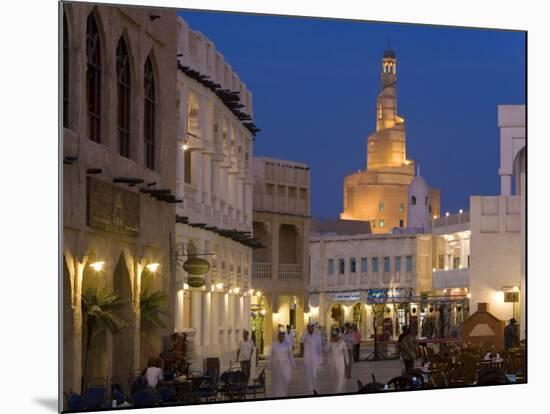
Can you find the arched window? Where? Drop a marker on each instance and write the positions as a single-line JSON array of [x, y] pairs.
[[123, 98], [413, 200], [65, 72], [149, 116], [93, 79]]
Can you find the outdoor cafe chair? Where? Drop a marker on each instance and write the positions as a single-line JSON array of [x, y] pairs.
[[258, 385], [166, 394], [208, 389], [116, 392], [145, 398], [401, 383], [236, 387], [370, 387]]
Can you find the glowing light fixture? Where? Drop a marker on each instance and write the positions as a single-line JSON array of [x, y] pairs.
[[435, 217], [262, 312], [185, 146], [259, 293], [236, 290], [97, 266], [251, 292], [447, 214], [185, 286], [153, 267], [469, 295], [219, 286], [460, 211]]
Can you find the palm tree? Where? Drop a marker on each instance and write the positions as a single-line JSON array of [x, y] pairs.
[[150, 307], [99, 312]]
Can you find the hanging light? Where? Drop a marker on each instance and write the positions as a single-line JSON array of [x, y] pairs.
[[97, 266], [185, 146], [153, 267]]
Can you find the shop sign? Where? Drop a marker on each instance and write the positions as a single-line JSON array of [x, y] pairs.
[[347, 297], [196, 266], [388, 295], [195, 281], [511, 297], [112, 208]]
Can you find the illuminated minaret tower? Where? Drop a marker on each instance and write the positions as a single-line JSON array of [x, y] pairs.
[[386, 147], [379, 193]]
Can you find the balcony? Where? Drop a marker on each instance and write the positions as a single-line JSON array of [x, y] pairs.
[[261, 271], [454, 278], [290, 271]]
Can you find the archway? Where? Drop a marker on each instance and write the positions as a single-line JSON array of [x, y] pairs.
[[123, 342], [336, 315], [519, 169], [151, 335], [68, 329], [94, 338]]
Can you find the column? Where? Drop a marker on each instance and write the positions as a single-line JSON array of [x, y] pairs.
[[275, 227], [196, 307], [205, 318], [178, 311], [77, 324], [231, 319], [225, 320], [505, 184], [215, 319], [138, 269]]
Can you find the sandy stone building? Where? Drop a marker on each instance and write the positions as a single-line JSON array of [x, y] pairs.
[[118, 137], [280, 270], [379, 193], [497, 273], [214, 181]]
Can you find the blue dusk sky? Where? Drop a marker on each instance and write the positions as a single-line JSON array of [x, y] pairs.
[[315, 81]]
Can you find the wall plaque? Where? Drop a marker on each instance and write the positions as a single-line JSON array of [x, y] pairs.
[[112, 208]]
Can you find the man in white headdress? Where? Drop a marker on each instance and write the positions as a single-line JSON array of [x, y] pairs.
[[282, 363], [312, 356], [337, 359]]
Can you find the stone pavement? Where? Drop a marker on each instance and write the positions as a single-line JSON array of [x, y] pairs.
[[362, 370]]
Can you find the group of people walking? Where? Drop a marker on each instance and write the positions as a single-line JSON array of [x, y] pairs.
[[341, 347]]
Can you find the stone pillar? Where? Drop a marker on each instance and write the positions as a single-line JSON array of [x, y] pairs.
[[505, 184], [196, 323], [178, 311], [138, 270], [205, 318], [76, 303], [231, 319], [268, 325], [225, 320], [275, 227], [215, 320]]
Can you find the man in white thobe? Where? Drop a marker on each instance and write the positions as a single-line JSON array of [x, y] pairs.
[[337, 359], [312, 356], [282, 363]]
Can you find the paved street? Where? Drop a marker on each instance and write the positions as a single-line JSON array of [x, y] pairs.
[[383, 371]]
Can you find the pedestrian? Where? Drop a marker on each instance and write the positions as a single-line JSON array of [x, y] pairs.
[[311, 341], [244, 354], [408, 350], [289, 338], [511, 336], [337, 356], [399, 349], [356, 337], [281, 364], [154, 372], [348, 340]]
